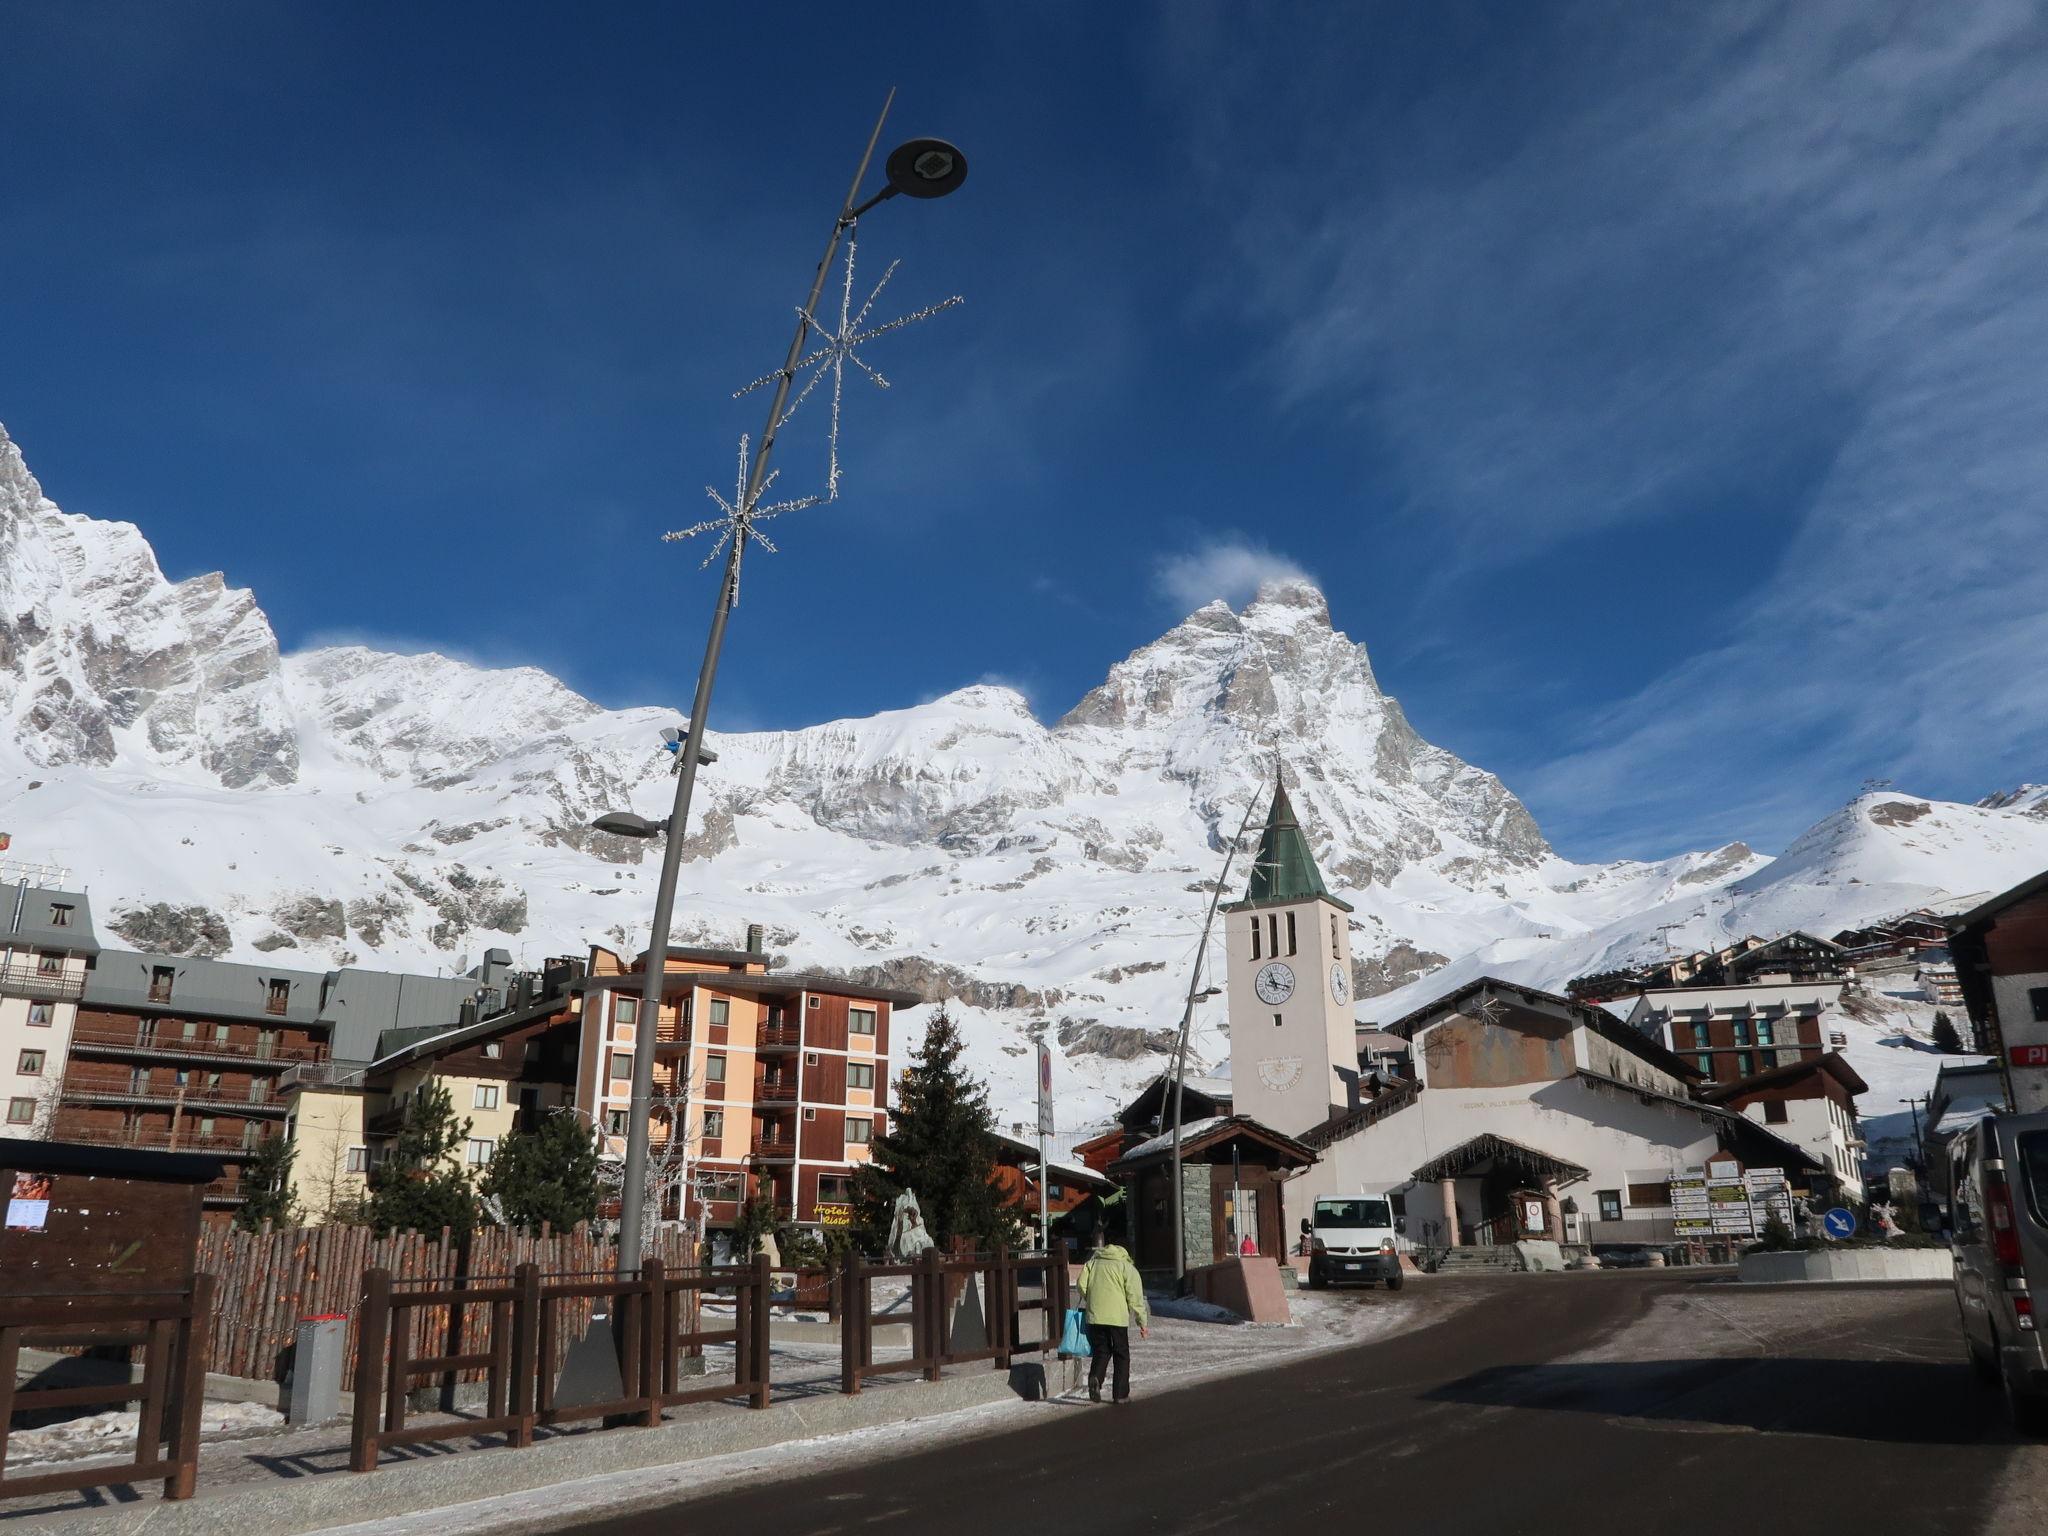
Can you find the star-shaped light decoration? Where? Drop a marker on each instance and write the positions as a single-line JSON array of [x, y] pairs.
[[838, 348], [741, 518], [1487, 1010]]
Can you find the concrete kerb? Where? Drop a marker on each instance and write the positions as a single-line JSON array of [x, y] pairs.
[[319, 1501]]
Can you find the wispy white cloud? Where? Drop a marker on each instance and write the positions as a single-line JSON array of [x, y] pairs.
[[1231, 568], [1788, 255]]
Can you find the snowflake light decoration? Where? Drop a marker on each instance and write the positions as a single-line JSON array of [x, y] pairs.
[[740, 518], [838, 348]]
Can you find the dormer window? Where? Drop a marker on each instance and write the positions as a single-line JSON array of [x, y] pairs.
[[60, 915]]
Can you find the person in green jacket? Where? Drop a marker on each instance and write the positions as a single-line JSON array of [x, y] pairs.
[[1113, 1298]]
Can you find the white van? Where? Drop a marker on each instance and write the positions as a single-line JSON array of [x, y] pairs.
[[1351, 1238]]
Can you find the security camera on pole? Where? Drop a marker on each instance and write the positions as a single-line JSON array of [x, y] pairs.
[[921, 168]]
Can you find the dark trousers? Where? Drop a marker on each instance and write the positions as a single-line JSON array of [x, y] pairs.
[[1106, 1344]]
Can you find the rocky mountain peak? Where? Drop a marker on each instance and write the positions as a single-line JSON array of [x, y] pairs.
[[100, 654]]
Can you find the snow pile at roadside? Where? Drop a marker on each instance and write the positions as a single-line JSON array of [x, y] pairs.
[[115, 1430]]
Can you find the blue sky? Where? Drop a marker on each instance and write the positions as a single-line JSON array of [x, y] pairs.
[[1661, 396]]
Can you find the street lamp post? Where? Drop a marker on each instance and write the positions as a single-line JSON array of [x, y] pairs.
[[922, 168], [1196, 993]]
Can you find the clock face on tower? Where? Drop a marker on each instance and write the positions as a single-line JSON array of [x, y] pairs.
[[1274, 984], [1340, 984]]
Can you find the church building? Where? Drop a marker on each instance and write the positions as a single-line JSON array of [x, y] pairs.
[[1525, 1115]]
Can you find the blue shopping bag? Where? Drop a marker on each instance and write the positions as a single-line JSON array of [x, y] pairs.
[[1074, 1342]]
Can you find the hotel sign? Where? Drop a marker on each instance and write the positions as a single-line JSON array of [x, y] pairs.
[[835, 1215]]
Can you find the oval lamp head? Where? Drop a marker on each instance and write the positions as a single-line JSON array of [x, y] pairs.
[[925, 168], [626, 824]]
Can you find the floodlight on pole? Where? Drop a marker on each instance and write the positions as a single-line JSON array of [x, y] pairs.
[[923, 168]]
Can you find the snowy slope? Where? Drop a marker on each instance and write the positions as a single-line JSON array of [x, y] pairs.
[[343, 803]]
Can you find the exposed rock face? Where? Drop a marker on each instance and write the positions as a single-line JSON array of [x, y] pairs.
[[938, 982], [100, 655], [1085, 1037], [312, 917], [1373, 975], [174, 930]]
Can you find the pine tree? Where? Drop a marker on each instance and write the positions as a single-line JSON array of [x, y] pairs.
[[938, 1145], [1946, 1040], [757, 1219], [422, 1185], [547, 1175], [267, 1177]]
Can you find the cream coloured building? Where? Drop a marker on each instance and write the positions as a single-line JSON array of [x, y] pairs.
[[46, 945]]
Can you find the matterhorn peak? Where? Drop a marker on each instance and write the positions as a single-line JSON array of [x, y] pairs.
[[1296, 594]]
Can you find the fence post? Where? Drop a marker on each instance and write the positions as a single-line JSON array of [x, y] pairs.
[[747, 1303], [193, 1334], [996, 1297], [757, 1344], [526, 1361], [834, 1292], [656, 1340], [373, 1333], [852, 1288], [935, 1314]]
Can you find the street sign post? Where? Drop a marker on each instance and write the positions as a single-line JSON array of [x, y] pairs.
[[1839, 1223]]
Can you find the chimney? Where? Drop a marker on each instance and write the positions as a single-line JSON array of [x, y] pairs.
[[754, 938]]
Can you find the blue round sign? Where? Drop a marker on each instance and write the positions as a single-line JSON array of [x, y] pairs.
[[1839, 1222]]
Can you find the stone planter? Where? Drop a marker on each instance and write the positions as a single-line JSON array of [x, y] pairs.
[[1847, 1264]]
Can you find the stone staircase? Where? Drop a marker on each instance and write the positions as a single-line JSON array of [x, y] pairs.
[[1483, 1261]]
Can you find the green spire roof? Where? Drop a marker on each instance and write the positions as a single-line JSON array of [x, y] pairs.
[[1285, 870]]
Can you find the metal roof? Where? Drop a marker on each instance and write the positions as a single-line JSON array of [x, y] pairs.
[[1284, 871]]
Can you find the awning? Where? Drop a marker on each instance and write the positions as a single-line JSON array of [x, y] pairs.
[[1469, 1157]]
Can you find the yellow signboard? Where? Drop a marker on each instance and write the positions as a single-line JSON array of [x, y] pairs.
[[835, 1215]]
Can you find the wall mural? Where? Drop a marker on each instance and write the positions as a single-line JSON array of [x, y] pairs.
[[1511, 1048]]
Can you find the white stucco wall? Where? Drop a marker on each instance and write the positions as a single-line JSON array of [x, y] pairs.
[[1616, 1137], [2017, 1024], [1285, 1075]]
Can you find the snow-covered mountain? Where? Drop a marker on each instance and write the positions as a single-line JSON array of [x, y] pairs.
[[217, 797]]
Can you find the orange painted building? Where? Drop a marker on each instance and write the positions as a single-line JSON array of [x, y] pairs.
[[787, 1074]]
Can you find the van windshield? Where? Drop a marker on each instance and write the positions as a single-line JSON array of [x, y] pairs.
[[2034, 1160], [1353, 1213]]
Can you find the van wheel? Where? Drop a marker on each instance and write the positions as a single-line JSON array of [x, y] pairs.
[[1394, 1280], [1983, 1361], [2026, 1409], [1316, 1278]]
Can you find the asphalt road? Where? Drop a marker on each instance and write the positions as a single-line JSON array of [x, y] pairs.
[[1592, 1403]]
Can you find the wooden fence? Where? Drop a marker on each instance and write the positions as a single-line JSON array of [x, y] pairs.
[[169, 1327], [270, 1280]]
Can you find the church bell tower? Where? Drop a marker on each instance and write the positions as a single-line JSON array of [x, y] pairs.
[[1293, 1043]]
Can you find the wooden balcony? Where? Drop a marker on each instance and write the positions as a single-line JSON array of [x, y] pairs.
[[767, 1091], [778, 1037], [188, 1140], [115, 1041], [120, 1088], [774, 1148]]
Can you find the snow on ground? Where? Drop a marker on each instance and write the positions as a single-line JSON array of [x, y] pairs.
[[1891, 1046], [112, 1432]]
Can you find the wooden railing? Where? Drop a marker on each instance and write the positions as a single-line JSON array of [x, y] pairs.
[[521, 1342], [187, 1141], [933, 1281], [33, 981], [81, 1085], [101, 1037], [170, 1327], [767, 1091]]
